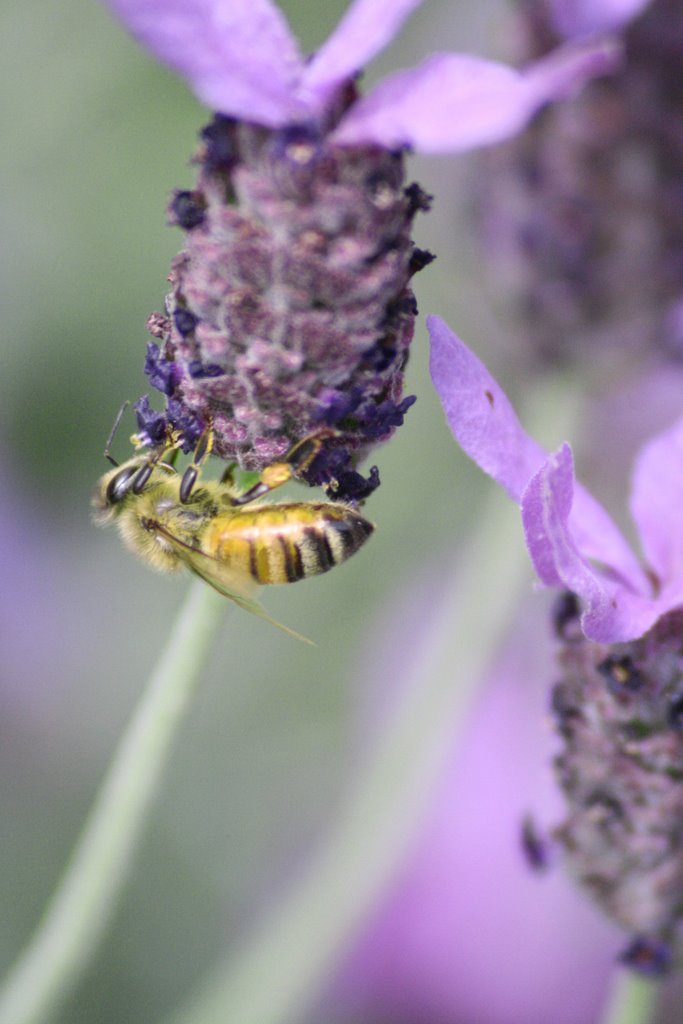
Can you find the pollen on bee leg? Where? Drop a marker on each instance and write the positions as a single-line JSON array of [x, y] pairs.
[[273, 476], [276, 475]]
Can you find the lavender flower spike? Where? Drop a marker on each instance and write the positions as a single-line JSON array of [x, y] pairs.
[[291, 310], [241, 59], [572, 541]]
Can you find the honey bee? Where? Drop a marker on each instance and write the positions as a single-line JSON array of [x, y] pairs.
[[224, 537]]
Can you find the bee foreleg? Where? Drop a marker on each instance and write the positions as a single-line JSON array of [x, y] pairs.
[[189, 478], [228, 477]]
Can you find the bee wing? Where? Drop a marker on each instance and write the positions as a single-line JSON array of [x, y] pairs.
[[234, 585]]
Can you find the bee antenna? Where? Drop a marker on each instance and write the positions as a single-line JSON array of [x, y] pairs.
[[112, 433]]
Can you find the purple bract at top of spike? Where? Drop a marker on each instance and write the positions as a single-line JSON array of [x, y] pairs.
[[241, 59]]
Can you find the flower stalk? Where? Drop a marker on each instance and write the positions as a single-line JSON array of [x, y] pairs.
[[75, 920], [632, 1000]]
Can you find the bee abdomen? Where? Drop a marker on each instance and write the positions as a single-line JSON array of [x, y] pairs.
[[327, 543], [290, 542]]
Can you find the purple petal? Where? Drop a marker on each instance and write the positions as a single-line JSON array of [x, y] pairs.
[[546, 507], [453, 102], [612, 612], [238, 55], [479, 414], [563, 72], [365, 29], [598, 537], [574, 18], [657, 504], [486, 427]]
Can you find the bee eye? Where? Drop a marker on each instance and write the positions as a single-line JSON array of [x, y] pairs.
[[119, 485]]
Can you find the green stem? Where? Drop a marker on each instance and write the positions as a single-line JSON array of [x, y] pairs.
[[276, 976], [632, 1000], [75, 920]]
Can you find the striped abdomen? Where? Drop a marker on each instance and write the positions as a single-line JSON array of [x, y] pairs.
[[286, 542]]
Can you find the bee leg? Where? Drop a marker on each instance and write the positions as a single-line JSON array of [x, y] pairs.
[[301, 455], [296, 461], [228, 477], [189, 477]]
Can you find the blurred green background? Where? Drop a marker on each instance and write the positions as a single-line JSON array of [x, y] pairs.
[[95, 135]]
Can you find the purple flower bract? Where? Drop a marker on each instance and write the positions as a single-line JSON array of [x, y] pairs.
[[572, 541], [241, 60]]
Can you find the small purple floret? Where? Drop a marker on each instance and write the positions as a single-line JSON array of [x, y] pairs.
[[332, 469], [188, 426], [152, 425], [186, 210], [566, 616], [536, 847], [675, 714], [379, 420], [420, 259], [163, 374], [198, 370], [185, 321], [647, 956], [620, 674], [336, 406], [220, 152]]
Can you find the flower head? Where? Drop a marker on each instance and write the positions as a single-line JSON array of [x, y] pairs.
[[573, 542], [617, 709], [582, 217], [291, 308], [618, 701]]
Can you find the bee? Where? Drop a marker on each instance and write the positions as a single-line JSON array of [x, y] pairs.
[[230, 540]]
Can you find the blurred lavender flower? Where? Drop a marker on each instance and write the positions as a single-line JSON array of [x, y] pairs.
[[618, 709], [291, 308], [582, 217], [619, 702], [580, 17], [468, 931], [28, 552]]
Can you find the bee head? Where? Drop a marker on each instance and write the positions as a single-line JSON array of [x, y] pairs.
[[117, 485]]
